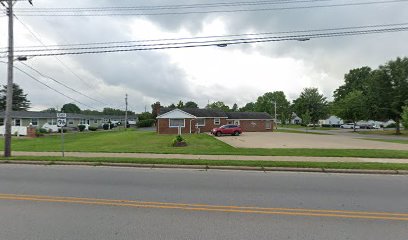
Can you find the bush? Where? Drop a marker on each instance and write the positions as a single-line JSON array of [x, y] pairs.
[[38, 132], [43, 130], [106, 126], [179, 141], [92, 128], [145, 123], [59, 130], [392, 125], [81, 128], [326, 125]]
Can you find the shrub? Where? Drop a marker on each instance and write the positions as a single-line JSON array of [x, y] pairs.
[[179, 141], [59, 130], [38, 132], [392, 125], [43, 130], [81, 128], [105, 126], [92, 128], [145, 123]]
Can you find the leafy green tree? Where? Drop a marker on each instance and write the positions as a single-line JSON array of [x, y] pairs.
[[266, 103], [172, 106], [312, 101], [191, 104], [70, 108], [404, 117], [50, 110], [180, 104], [115, 112], [352, 107], [234, 108], [396, 73], [249, 107], [306, 118], [355, 79], [218, 106], [91, 112], [20, 101], [145, 116]]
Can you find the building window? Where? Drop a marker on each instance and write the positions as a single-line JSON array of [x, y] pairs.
[[176, 123], [217, 121], [200, 122], [95, 121], [268, 124], [1, 121], [17, 122], [71, 122], [34, 121], [83, 121], [52, 121]]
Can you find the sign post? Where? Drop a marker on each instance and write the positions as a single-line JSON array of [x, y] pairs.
[[61, 122]]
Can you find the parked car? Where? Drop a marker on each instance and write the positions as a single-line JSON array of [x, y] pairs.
[[229, 129], [349, 126]]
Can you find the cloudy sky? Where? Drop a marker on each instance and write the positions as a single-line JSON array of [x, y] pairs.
[[233, 74]]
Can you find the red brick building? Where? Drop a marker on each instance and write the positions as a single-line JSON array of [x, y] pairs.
[[171, 121]]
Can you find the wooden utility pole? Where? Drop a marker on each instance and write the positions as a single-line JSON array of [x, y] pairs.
[[9, 94]]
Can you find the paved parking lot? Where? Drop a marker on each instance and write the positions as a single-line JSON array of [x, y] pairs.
[[299, 140]]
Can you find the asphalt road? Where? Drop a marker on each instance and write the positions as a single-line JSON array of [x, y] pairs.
[[68, 202]]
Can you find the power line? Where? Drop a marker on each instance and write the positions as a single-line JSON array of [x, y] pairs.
[[58, 59], [132, 13], [224, 42], [53, 79], [42, 83], [23, 49]]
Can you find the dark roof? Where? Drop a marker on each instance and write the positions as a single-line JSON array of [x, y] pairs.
[[198, 112], [209, 113], [32, 114], [248, 115]]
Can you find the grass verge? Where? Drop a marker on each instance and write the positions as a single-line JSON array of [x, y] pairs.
[[308, 131], [235, 163], [402, 141], [198, 144], [383, 132]]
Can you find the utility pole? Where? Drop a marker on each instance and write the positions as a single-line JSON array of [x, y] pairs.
[[9, 94], [126, 111], [10, 73]]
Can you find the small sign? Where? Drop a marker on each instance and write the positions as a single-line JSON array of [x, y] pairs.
[[61, 122], [61, 115]]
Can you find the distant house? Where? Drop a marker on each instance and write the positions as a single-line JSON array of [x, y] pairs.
[[332, 120], [204, 120], [295, 119], [22, 119]]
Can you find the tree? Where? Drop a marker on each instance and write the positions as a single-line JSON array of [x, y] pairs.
[[249, 107], [218, 106], [20, 101], [70, 108], [310, 100], [234, 108], [191, 104], [266, 103], [91, 112], [180, 104], [396, 73], [404, 117], [145, 116], [306, 118], [355, 79], [172, 106], [352, 107], [115, 112], [50, 110]]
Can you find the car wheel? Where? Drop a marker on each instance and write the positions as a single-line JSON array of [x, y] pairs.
[[218, 134], [236, 133]]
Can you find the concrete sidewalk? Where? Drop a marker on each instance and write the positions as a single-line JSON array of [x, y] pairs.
[[211, 157]]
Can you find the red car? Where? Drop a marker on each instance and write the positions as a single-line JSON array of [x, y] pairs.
[[229, 129]]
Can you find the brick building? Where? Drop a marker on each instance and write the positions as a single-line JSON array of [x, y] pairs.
[[203, 120]]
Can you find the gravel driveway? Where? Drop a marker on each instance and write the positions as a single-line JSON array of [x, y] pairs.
[[299, 140]]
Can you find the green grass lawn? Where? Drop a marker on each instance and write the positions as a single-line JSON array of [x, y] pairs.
[[150, 142], [383, 132], [301, 131], [240, 163], [402, 141]]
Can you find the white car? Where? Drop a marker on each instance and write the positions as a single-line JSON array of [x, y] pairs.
[[349, 126]]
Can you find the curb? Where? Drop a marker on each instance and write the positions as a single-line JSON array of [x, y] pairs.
[[205, 167]]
